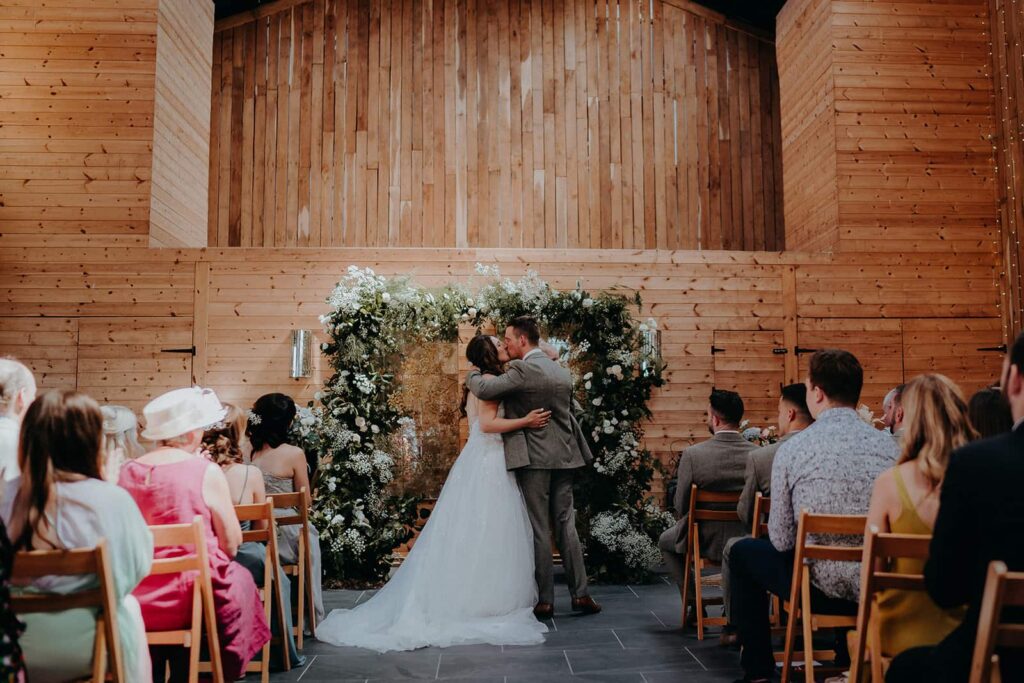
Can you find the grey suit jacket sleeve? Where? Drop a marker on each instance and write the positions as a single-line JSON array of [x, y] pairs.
[[745, 508], [495, 388], [684, 481]]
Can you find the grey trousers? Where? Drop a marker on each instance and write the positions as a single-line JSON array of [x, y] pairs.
[[548, 496], [726, 589]]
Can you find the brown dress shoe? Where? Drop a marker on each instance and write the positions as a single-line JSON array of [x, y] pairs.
[[729, 639], [544, 610], [586, 605]]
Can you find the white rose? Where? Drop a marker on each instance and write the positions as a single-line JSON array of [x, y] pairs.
[[609, 429], [587, 303], [356, 438], [465, 316], [385, 297], [472, 312], [588, 375], [337, 520], [597, 401], [469, 302], [375, 429], [587, 385]]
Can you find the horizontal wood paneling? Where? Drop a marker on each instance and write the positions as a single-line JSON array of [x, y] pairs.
[[507, 123]]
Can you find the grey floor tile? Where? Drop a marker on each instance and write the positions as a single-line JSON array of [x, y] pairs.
[[540, 663], [631, 677], [609, 661], [353, 663], [570, 640], [689, 676]]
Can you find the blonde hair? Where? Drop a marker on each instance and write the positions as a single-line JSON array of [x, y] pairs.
[[935, 424], [121, 431], [223, 440]]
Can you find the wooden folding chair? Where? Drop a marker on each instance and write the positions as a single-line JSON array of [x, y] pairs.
[[303, 567], [203, 611], [1003, 588], [31, 565], [262, 515], [694, 561], [880, 551], [799, 605]]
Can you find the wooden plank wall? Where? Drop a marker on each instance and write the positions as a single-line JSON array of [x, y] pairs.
[[498, 123], [181, 126], [1007, 20], [76, 119], [908, 100]]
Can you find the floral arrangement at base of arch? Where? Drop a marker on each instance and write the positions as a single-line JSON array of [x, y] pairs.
[[373, 318]]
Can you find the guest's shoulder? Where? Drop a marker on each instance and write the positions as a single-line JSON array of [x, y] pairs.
[[999, 452]]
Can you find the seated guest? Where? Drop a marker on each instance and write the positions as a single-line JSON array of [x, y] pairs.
[[284, 470], [990, 413], [61, 501], [794, 417], [17, 391], [120, 439], [828, 468], [222, 441], [893, 413], [171, 485], [717, 464], [906, 501], [981, 518]]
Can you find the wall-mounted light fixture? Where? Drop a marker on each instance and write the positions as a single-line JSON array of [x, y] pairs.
[[650, 349], [301, 353]]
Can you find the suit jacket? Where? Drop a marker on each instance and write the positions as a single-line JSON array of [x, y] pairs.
[[717, 464], [981, 518], [536, 382], [758, 477]]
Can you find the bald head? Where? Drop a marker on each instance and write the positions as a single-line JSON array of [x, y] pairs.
[[17, 388]]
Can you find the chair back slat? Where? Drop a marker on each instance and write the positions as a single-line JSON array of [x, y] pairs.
[[168, 535], [715, 516], [833, 552], [762, 510], [256, 512], [886, 581], [840, 525], [28, 603], [701, 496], [909, 546], [36, 563], [1010, 635]]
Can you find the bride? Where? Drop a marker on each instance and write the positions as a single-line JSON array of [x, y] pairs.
[[469, 576]]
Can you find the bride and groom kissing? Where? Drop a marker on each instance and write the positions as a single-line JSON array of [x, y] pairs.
[[481, 570]]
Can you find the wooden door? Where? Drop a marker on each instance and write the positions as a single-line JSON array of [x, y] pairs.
[[746, 362], [878, 345], [129, 361], [49, 346]]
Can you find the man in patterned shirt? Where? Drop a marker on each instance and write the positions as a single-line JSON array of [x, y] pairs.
[[828, 468]]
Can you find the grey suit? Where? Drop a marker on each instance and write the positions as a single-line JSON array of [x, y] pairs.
[[544, 461], [717, 464], [758, 479]]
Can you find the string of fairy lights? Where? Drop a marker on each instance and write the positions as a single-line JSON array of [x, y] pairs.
[[1010, 278]]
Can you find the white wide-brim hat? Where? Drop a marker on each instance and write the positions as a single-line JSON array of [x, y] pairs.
[[181, 411]]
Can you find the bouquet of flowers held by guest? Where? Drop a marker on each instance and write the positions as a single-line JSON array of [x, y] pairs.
[[762, 436]]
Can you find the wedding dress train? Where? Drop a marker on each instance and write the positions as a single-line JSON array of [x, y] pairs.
[[469, 576]]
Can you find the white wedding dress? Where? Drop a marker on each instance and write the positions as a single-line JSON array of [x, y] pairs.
[[469, 576]]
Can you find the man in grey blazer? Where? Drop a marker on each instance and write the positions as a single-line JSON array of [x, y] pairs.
[[544, 460], [794, 416], [717, 464]]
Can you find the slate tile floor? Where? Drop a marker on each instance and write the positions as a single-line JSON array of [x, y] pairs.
[[636, 639]]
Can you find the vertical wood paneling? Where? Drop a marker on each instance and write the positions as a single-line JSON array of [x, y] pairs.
[[517, 123]]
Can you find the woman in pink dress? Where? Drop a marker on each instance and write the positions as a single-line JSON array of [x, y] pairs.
[[171, 485]]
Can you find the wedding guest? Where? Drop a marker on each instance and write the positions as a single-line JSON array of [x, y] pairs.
[[906, 501], [284, 471], [980, 519], [794, 417], [17, 391], [61, 501], [120, 439], [828, 468], [717, 464], [222, 440], [893, 413], [990, 413], [172, 485]]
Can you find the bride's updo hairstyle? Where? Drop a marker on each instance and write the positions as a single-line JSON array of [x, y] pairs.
[[269, 420], [482, 351]]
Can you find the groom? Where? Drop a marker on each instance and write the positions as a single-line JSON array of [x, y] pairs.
[[543, 459]]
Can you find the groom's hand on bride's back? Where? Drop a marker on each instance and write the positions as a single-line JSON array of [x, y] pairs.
[[538, 418]]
